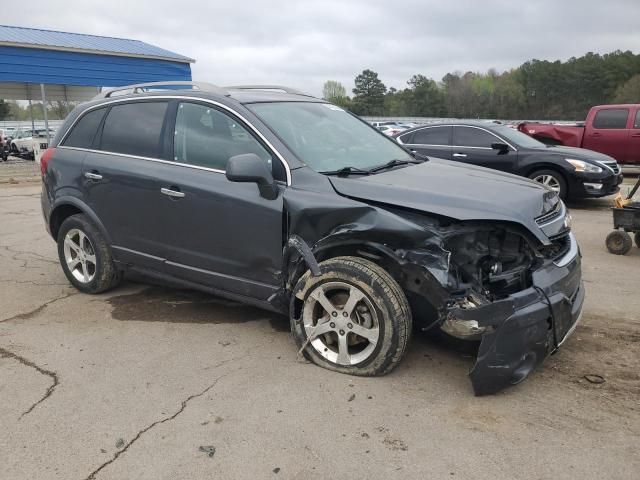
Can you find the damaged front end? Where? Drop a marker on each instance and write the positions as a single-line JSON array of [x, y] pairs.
[[514, 287], [519, 299]]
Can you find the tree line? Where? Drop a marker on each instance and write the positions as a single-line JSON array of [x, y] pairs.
[[56, 110], [537, 89]]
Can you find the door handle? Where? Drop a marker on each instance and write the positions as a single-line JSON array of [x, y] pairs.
[[172, 193], [596, 134], [460, 155], [92, 176], [635, 134]]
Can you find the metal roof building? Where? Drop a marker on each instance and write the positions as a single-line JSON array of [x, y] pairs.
[[50, 65], [65, 61]]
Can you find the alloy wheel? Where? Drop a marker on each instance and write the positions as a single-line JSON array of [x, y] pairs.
[[79, 255], [548, 181], [341, 323]]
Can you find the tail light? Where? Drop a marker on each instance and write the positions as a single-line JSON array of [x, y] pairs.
[[44, 160]]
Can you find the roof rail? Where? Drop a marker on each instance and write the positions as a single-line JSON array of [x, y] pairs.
[[290, 90], [145, 87]]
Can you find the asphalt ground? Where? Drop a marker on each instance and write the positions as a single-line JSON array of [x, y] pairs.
[[149, 382]]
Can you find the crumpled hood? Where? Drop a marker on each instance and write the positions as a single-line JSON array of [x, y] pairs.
[[456, 190]]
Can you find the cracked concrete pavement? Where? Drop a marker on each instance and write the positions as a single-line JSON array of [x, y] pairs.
[[150, 382]]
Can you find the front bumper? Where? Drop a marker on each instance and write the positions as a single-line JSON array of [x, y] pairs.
[[595, 185], [525, 328]]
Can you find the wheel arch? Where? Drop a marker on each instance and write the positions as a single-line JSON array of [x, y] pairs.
[[530, 169], [68, 206]]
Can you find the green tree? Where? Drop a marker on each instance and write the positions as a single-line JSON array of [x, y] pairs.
[[368, 94], [628, 92], [334, 92], [5, 109]]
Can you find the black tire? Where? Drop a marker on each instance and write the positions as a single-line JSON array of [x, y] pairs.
[[636, 238], [105, 275], [559, 179], [619, 242], [380, 291]]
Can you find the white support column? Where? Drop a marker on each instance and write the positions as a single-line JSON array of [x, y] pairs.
[[44, 110]]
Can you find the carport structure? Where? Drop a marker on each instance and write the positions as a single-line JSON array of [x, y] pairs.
[[48, 65]]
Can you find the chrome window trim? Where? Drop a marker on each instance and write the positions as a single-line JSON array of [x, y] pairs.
[[461, 146], [174, 97]]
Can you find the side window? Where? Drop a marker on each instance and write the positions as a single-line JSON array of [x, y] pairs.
[[432, 136], [407, 138], [636, 123], [472, 137], [207, 137], [134, 129], [84, 131], [611, 118]]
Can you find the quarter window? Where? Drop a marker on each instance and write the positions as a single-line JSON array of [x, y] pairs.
[[432, 136], [611, 118], [636, 123], [207, 137], [134, 129], [85, 130], [473, 137]]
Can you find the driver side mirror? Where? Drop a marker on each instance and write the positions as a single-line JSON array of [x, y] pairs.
[[249, 167], [501, 147]]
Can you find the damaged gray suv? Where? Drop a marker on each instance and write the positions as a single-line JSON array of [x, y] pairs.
[[271, 197]]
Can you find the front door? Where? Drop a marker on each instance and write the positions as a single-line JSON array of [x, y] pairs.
[[608, 133], [473, 145], [220, 233]]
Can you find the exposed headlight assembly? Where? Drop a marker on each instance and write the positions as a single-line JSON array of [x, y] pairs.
[[582, 166]]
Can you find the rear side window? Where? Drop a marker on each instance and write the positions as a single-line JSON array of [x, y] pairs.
[[134, 129], [611, 118], [432, 136], [84, 131], [636, 123]]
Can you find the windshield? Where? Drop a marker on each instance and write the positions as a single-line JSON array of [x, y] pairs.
[[520, 139], [327, 138]]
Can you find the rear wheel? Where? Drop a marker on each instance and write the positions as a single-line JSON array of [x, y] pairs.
[[353, 318], [619, 242], [552, 180], [85, 256]]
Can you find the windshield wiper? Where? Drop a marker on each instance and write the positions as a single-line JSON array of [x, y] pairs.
[[347, 171], [393, 163]]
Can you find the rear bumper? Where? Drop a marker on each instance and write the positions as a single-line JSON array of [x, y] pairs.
[[525, 328]]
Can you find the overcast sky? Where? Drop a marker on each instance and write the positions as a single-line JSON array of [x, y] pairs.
[[303, 43]]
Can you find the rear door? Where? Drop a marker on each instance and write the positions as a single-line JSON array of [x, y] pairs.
[[123, 173], [473, 145], [608, 133], [220, 233], [434, 141]]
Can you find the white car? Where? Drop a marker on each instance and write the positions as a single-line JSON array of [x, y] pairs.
[[26, 142]]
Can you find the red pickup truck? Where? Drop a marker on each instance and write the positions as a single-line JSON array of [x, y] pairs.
[[610, 129]]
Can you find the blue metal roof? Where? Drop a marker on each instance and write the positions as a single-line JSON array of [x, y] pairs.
[[53, 40]]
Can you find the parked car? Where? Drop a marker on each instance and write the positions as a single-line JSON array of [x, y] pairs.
[[572, 172], [390, 130], [610, 129], [283, 201], [4, 144], [25, 142]]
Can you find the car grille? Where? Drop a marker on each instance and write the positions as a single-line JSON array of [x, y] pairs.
[[613, 166], [560, 246], [551, 215]]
